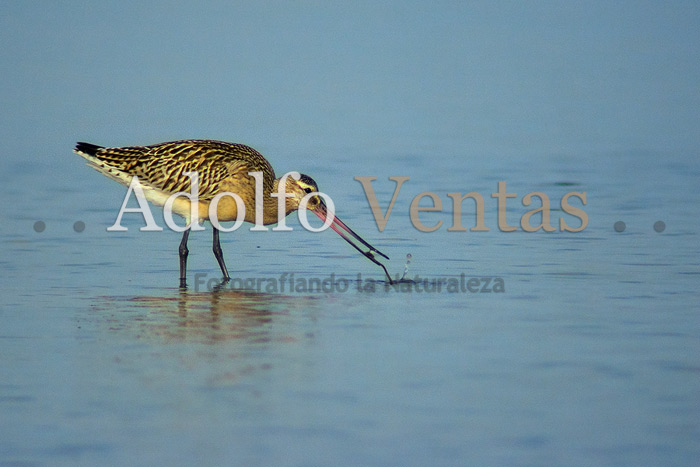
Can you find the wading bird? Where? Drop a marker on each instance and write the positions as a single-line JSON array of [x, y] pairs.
[[221, 168]]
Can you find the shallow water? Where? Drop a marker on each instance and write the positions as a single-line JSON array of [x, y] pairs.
[[588, 356]]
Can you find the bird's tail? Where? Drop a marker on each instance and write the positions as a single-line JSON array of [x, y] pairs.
[[89, 152], [100, 161], [87, 148]]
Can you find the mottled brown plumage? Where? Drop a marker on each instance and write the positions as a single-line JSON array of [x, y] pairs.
[[221, 167]]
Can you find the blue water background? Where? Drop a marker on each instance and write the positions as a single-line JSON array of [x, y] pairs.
[[588, 357]]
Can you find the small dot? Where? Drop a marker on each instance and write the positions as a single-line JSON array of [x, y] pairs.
[[659, 226], [620, 226], [79, 226], [39, 226]]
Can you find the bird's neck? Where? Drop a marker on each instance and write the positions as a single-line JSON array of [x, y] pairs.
[[271, 205]]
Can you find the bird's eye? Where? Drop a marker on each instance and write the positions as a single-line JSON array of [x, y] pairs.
[[307, 190]]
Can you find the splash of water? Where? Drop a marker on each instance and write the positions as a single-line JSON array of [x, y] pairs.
[[405, 268]]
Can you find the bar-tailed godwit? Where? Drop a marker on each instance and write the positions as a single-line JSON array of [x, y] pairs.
[[221, 168]]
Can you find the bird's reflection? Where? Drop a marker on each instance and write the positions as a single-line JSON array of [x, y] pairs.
[[212, 316]]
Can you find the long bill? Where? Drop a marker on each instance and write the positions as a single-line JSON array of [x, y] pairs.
[[339, 226]]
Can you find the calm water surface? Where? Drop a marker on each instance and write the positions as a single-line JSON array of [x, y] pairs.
[[589, 357]]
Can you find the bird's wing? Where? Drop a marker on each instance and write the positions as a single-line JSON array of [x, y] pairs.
[[220, 166]]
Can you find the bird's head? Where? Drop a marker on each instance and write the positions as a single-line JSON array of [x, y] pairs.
[[299, 189]]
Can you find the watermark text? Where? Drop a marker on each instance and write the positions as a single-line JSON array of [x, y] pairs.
[[296, 283]]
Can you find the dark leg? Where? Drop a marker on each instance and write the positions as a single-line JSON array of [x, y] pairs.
[[183, 258], [218, 254]]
